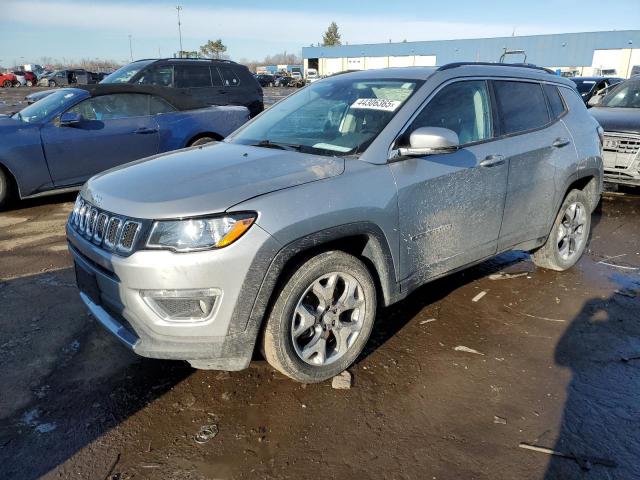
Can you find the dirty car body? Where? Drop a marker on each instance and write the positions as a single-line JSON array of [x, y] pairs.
[[334, 173], [72, 134]]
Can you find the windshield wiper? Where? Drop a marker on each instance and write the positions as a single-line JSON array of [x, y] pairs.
[[281, 146]]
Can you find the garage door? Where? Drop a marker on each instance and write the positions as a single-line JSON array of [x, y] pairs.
[[425, 61], [401, 61], [332, 65]]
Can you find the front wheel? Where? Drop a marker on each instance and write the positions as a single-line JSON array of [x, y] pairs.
[[52, 83], [569, 234], [29, 83], [322, 318], [6, 84]]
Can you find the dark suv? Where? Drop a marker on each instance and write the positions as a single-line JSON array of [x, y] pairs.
[[217, 82]]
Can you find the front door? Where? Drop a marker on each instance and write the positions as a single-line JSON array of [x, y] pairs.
[[451, 205], [115, 129]]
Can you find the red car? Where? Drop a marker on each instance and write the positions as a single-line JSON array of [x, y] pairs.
[[7, 79], [30, 78]]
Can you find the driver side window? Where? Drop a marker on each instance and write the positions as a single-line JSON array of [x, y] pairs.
[[113, 107], [463, 107]]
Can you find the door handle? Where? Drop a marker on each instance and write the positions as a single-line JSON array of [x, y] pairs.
[[145, 131], [492, 161], [560, 142]]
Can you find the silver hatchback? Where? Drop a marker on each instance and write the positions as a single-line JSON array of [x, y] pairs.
[[345, 196]]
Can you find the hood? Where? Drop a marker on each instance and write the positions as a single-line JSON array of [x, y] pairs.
[[203, 180], [617, 119], [7, 123]]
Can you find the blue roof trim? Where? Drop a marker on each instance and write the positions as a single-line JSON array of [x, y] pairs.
[[564, 49]]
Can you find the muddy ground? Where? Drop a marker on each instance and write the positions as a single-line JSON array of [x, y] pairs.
[[548, 370]]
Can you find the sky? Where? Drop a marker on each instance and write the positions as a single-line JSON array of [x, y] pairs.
[[75, 29]]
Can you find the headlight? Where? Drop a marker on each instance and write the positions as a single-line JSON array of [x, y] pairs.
[[199, 233]]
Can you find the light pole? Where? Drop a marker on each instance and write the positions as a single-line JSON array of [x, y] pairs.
[[178, 8], [628, 72], [130, 48]]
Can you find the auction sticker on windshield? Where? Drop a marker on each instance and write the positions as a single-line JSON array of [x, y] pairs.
[[377, 104]]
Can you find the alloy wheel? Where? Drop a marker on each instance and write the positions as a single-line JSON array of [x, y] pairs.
[[572, 231], [328, 318]]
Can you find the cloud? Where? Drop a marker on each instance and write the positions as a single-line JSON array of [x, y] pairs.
[[157, 20]]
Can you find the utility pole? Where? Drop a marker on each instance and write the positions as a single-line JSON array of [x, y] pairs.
[[130, 48], [178, 8]]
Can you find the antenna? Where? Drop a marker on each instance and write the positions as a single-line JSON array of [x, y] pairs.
[[178, 8]]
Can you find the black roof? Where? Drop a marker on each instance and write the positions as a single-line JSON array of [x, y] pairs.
[[195, 60], [596, 78], [179, 99]]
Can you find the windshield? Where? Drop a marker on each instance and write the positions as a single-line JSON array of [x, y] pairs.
[[624, 95], [126, 73], [584, 86], [48, 105], [338, 116]]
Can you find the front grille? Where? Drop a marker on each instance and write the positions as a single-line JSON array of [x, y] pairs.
[[111, 232], [621, 144]]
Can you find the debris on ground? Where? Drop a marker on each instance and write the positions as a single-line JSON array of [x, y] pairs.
[[427, 321], [341, 381], [206, 433], [506, 276], [462, 348], [499, 420], [628, 359], [584, 461], [534, 316], [618, 266], [626, 292], [479, 296]]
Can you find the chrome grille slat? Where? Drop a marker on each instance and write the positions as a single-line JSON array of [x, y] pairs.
[[111, 232], [101, 226]]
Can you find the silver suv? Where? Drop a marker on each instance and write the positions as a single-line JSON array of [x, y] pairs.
[[343, 197]]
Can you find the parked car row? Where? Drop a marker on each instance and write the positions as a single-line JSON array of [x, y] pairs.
[[279, 80]]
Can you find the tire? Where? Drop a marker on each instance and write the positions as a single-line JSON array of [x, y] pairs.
[[5, 189], [29, 83], [52, 84], [6, 84], [201, 141], [569, 235], [333, 331]]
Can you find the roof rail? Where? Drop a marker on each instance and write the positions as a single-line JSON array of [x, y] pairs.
[[221, 60], [449, 66]]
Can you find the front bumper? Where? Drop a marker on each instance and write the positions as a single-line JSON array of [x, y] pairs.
[[223, 341]]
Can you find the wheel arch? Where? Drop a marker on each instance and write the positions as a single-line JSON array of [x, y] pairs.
[[216, 136], [364, 240], [14, 187]]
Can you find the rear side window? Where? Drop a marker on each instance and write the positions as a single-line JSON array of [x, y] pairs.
[[192, 76], [521, 106], [555, 101], [229, 77], [113, 107]]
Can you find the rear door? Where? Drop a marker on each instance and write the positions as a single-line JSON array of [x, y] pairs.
[[115, 129], [539, 149], [450, 205], [196, 79]]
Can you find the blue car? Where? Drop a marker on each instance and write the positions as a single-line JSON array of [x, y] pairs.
[[62, 140]]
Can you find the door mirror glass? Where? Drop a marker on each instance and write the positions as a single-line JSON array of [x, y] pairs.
[[429, 141], [70, 119]]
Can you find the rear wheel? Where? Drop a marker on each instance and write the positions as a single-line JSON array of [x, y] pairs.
[[202, 141], [6, 84], [29, 83], [569, 234], [52, 83], [322, 318], [5, 189]]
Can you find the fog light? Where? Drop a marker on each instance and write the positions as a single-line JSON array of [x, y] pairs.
[[182, 305]]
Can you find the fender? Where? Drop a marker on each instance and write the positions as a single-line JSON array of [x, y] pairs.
[[261, 282], [580, 174]]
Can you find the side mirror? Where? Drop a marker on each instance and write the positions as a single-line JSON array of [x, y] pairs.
[[70, 119], [430, 141], [595, 100]]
